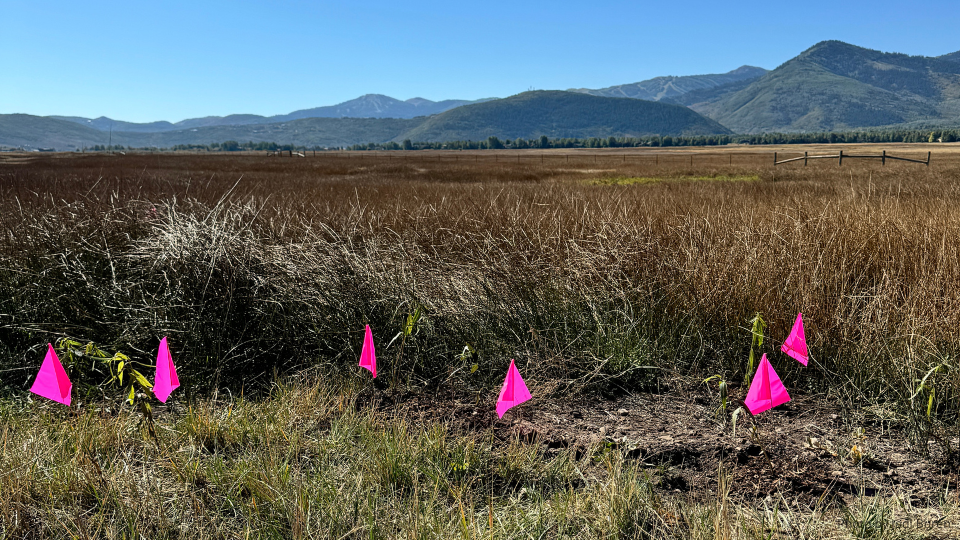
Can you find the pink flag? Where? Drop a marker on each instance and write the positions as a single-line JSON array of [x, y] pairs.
[[766, 390], [52, 381], [796, 343], [165, 381], [368, 356], [514, 391]]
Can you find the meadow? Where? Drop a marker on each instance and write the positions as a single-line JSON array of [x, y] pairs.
[[618, 280]]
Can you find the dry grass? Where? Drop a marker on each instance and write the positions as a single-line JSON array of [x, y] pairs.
[[307, 462], [256, 266]]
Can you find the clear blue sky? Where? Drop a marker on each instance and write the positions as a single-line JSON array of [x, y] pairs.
[[170, 60]]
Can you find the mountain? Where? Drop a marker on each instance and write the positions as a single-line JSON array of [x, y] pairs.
[[29, 131], [835, 86], [528, 115], [37, 131], [561, 114], [702, 96], [953, 57], [660, 88], [368, 106], [377, 106], [108, 124]]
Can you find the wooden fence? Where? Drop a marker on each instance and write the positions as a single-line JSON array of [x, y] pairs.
[[883, 157]]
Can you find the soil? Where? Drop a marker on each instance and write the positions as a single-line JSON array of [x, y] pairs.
[[807, 451]]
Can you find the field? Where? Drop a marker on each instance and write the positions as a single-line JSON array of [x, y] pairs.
[[618, 280]]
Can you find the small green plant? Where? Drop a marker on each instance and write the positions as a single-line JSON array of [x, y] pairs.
[[722, 388], [118, 367], [926, 385], [409, 329], [757, 327]]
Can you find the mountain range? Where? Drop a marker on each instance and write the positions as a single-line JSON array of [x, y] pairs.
[[528, 115], [660, 88], [367, 106], [832, 86], [835, 86]]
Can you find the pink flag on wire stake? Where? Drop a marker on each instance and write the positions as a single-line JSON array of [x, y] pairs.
[[514, 391], [766, 390], [368, 355], [165, 381], [796, 343], [52, 381]]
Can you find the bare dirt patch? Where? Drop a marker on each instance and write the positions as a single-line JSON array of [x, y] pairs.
[[805, 451]]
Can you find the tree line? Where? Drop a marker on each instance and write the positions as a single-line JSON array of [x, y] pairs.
[[495, 143]]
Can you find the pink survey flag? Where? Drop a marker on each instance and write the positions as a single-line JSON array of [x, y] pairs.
[[766, 390], [368, 355], [52, 381], [796, 343], [514, 391], [165, 381]]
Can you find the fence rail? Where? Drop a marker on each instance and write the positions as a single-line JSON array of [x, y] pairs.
[[883, 157]]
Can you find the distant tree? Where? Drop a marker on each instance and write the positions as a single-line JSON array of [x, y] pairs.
[[407, 144], [230, 146], [494, 143], [544, 141]]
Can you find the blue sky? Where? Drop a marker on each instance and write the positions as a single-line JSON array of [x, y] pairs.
[[170, 60]]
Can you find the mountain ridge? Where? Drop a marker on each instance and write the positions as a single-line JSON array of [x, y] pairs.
[[556, 114], [365, 106], [838, 86], [670, 86], [528, 115]]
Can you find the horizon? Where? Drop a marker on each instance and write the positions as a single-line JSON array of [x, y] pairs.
[[219, 59]]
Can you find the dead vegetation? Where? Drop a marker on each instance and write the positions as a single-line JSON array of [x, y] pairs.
[[258, 267]]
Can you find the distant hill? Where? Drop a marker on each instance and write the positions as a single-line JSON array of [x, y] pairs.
[[703, 96], [837, 86], [30, 131], [660, 88], [953, 57], [368, 106], [107, 124], [377, 106], [562, 114], [528, 115]]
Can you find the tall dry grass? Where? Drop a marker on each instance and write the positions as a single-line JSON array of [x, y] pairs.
[[260, 265]]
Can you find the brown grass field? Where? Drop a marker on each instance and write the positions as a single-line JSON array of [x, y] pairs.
[[619, 280]]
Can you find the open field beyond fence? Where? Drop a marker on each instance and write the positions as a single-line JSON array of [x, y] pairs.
[[606, 275]]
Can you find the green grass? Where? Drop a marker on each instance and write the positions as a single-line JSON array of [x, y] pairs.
[[309, 462], [635, 180]]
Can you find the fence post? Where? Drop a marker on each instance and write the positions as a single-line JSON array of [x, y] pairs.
[[928, 159], [774, 158], [883, 158], [804, 159], [841, 159]]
